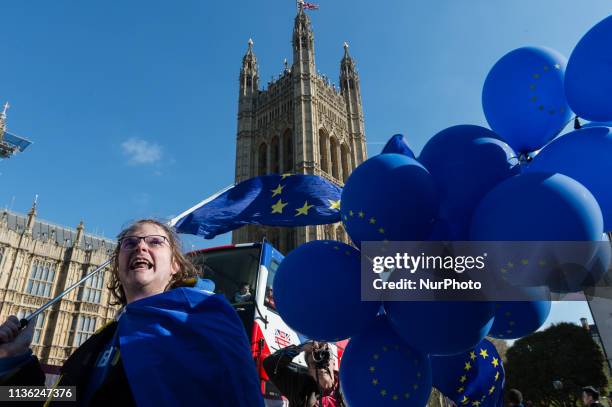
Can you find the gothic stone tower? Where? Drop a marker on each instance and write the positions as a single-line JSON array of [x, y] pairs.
[[300, 124]]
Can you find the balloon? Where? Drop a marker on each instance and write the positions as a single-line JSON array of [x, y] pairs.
[[466, 162], [538, 206], [379, 369], [475, 375], [317, 291], [523, 97], [389, 197], [397, 145], [586, 156], [441, 327], [515, 319], [588, 83]]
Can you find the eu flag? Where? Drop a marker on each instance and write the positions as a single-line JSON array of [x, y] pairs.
[[185, 347], [274, 200]]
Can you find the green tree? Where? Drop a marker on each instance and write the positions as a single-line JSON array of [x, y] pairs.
[[551, 367]]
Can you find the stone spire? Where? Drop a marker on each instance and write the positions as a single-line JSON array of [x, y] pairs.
[[249, 72], [32, 215], [303, 43]]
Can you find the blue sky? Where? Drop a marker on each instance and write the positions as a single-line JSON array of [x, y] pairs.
[[132, 105]]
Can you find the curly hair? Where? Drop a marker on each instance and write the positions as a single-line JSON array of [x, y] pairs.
[[186, 268]]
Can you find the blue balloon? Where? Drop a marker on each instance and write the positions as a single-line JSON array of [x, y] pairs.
[[441, 327], [389, 197], [588, 83], [379, 369], [523, 97], [466, 162], [397, 145], [515, 319], [586, 156], [317, 291], [473, 376], [538, 206]]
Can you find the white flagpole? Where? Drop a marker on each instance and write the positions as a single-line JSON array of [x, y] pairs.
[[174, 220]]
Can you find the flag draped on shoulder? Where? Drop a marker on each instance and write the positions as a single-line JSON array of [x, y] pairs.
[[274, 200], [185, 347]]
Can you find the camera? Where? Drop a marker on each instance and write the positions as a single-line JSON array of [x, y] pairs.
[[321, 358]]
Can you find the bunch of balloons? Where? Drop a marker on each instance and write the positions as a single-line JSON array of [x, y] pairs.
[[512, 182]]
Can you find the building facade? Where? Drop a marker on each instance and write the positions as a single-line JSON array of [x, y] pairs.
[[38, 260], [302, 124]]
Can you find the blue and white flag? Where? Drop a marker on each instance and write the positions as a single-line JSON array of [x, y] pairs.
[[274, 200]]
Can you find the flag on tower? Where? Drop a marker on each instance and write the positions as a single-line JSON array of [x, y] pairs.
[[310, 6]]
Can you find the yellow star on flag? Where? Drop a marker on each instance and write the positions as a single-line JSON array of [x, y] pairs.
[[483, 353], [383, 392], [381, 230], [472, 355], [557, 66], [372, 220], [465, 400], [361, 214], [374, 382], [277, 190], [395, 397], [285, 175], [492, 389], [278, 207], [495, 362], [463, 379], [372, 368], [476, 403], [467, 366], [334, 204], [304, 209], [460, 389], [496, 376]]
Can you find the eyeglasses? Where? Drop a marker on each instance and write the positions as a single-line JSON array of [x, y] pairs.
[[152, 241]]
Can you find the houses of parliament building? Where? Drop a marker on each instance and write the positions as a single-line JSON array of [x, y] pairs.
[[39, 260], [300, 124]]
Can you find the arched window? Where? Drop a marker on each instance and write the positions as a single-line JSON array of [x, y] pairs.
[[274, 156], [92, 290], [262, 159], [341, 234], [288, 151], [41, 279], [323, 139], [344, 155], [86, 326], [333, 147]]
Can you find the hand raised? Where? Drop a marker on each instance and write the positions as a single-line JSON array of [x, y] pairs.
[[14, 341]]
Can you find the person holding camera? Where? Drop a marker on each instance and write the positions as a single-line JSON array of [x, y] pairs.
[[317, 387]]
